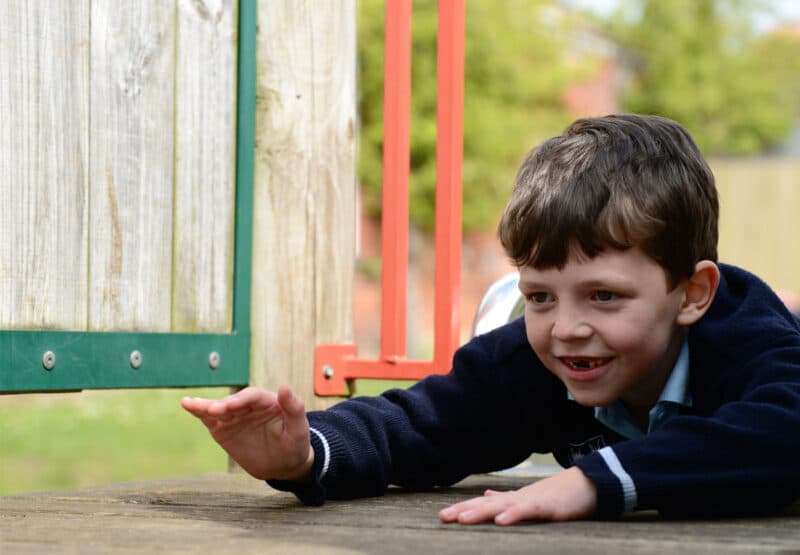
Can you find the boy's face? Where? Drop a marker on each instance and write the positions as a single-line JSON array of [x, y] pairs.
[[606, 326]]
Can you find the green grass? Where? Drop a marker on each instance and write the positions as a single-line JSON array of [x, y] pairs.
[[376, 387], [61, 441]]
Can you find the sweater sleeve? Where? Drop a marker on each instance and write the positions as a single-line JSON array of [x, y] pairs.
[[475, 419], [740, 460]]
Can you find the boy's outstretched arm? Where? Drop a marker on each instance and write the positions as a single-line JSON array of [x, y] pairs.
[[568, 495], [266, 433]]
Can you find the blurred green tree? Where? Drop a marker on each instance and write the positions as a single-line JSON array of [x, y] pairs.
[[780, 50], [516, 69], [703, 63]]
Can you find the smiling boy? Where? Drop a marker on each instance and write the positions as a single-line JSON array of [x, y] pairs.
[[659, 378]]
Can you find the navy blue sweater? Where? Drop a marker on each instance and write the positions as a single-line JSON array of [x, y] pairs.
[[736, 451]]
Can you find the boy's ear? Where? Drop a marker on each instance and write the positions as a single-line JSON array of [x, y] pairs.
[[699, 291]]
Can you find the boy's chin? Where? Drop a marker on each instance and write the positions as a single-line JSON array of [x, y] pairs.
[[591, 398]]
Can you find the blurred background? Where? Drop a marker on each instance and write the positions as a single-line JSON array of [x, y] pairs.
[[728, 70]]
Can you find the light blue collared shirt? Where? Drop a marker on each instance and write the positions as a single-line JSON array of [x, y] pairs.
[[674, 395]]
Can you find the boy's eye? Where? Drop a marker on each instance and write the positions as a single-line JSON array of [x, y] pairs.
[[540, 297], [604, 296]]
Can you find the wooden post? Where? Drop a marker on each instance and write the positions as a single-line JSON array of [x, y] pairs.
[[304, 197]]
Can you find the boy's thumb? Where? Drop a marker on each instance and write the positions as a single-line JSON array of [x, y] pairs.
[[291, 404]]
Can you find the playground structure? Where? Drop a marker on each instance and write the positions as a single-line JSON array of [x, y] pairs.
[[179, 195], [134, 196], [337, 364], [162, 195], [125, 222]]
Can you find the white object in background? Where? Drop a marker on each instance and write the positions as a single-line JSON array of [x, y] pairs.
[[501, 304]]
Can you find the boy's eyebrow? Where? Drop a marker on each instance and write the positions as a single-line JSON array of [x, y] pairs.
[[614, 281], [529, 284]]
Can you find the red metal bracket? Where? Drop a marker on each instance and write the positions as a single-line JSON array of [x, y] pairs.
[[335, 365]]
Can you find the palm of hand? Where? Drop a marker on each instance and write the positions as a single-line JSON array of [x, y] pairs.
[[265, 433]]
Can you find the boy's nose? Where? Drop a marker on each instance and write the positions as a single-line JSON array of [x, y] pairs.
[[570, 324]]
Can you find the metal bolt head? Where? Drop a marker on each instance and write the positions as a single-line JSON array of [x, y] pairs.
[[136, 359], [213, 360], [49, 360], [327, 371]]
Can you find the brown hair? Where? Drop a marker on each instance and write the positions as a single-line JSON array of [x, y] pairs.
[[614, 182]]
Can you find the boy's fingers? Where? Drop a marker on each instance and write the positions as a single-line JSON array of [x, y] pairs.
[[294, 409], [507, 517], [465, 509], [217, 408], [250, 397], [520, 510], [480, 509], [195, 405], [480, 513], [244, 401], [291, 404]]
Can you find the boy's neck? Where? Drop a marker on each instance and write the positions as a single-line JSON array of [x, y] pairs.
[[648, 391]]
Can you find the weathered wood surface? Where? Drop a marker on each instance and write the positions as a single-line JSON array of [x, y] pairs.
[[131, 142], [759, 227], [205, 160], [236, 514], [44, 158], [117, 164], [304, 198]]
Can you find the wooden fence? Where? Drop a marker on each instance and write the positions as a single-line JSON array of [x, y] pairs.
[[118, 169], [117, 175], [759, 223]]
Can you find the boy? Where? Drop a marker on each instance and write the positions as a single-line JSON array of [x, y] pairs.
[[658, 378]]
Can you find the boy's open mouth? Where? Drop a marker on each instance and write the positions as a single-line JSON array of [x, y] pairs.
[[583, 363]]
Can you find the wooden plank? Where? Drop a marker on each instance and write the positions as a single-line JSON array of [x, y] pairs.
[[205, 184], [131, 194], [44, 110], [787, 224], [303, 255], [236, 514], [759, 229]]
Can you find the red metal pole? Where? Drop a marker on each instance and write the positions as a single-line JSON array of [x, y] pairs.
[[335, 365], [449, 156], [396, 148]]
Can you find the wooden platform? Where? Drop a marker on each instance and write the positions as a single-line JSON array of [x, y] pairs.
[[235, 514]]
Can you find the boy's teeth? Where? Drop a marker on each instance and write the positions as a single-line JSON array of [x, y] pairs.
[[584, 364]]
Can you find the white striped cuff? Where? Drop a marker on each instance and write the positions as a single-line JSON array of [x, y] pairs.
[[327, 451], [628, 487]]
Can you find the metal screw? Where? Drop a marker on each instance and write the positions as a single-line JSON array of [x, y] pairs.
[[136, 359], [49, 360], [213, 360], [327, 371]]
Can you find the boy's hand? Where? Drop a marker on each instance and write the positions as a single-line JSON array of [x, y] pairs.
[[264, 432], [568, 495]]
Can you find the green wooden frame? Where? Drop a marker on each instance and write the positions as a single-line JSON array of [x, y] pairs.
[[103, 360]]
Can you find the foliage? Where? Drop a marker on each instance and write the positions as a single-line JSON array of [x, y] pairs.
[[780, 51], [515, 72], [703, 63]]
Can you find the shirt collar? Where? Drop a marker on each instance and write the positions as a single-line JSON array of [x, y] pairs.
[[676, 390]]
